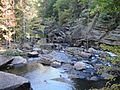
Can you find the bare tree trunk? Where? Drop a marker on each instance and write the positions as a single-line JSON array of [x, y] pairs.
[[93, 23]]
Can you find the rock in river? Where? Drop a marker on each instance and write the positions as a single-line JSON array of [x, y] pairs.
[[85, 54], [46, 60], [18, 60], [81, 65], [4, 61], [55, 64], [92, 50], [33, 54], [13, 82]]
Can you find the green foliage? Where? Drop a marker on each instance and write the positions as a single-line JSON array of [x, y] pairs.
[[63, 16], [11, 52], [58, 8], [61, 9], [103, 5], [61, 5], [114, 60], [112, 87], [114, 49], [49, 8]]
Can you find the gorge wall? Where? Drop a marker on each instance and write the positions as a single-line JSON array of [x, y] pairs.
[[77, 34]]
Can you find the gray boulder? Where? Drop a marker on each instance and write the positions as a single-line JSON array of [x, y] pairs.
[[18, 60], [46, 60], [33, 54], [13, 82], [94, 78], [55, 64], [4, 60], [81, 65], [106, 76], [92, 50], [85, 54]]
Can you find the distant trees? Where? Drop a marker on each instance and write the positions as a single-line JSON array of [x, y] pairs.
[[63, 10], [23, 16]]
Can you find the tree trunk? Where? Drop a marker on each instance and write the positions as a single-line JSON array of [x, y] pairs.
[[93, 23]]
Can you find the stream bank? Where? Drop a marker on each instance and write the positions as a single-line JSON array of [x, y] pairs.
[[63, 68]]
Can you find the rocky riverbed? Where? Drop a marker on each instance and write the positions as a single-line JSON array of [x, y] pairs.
[[62, 68]]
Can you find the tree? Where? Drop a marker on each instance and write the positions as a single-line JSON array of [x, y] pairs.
[[8, 19], [107, 13]]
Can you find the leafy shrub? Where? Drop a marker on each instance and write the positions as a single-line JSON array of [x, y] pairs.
[[11, 52], [112, 87], [114, 60], [114, 49], [63, 17]]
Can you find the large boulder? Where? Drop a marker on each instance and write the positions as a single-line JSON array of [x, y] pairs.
[[13, 82], [81, 65], [92, 50], [18, 61], [46, 60], [4, 61], [60, 56], [85, 54]]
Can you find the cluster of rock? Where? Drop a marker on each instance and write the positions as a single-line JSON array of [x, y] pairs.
[[77, 62], [77, 34], [86, 65], [10, 81]]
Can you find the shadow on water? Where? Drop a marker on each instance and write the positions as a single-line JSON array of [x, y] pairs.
[[86, 85]]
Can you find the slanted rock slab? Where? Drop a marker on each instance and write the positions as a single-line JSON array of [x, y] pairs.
[[12, 82], [33, 54], [4, 60], [18, 60]]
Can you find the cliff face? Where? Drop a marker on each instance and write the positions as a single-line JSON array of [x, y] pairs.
[[98, 33], [77, 34], [113, 37]]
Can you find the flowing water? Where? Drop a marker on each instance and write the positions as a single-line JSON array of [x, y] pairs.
[[49, 78]]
